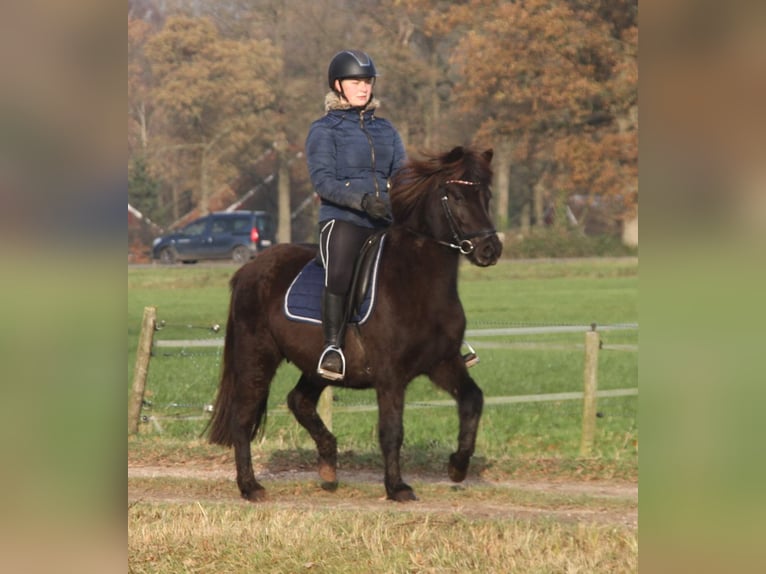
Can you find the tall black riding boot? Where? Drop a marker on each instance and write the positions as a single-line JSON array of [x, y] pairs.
[[332, 363]]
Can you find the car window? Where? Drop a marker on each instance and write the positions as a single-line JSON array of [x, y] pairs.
[[195, 228], [265, 225], [242, 225], [222, 226]]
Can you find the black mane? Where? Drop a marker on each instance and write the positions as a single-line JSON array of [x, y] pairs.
[[417, 179]]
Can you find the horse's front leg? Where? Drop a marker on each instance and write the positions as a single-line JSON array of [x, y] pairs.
[[453, 377], [391, 436], [302, 401]]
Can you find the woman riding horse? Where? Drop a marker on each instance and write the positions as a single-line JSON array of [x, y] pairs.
[[351, 155], [441, 212]]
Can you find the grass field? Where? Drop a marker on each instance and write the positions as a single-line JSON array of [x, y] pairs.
[[519, 441], [190, 300]]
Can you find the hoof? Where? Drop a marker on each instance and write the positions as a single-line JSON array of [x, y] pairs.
[[330, 486], [257, 495], [456, 475], [327, 472], [457, 472], [403, 494]]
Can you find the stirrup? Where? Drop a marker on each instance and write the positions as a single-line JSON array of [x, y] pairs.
[[332, 375], [470, 358]]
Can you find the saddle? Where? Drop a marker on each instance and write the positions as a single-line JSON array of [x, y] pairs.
[[304, 296]]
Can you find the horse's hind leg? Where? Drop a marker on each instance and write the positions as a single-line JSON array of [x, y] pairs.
[[302, 401], [453, 377], [256, 369]]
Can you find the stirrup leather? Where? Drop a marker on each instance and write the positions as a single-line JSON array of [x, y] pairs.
[[332, 375]]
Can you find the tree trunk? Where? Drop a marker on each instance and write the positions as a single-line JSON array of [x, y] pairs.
[[432, 117], [144, 130], [502, 184], [204, 192], [538, 203], [525, 219], [284, 230], [404, 131], [174, 201]]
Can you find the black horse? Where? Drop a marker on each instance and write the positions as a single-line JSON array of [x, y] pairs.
[[441, 211]]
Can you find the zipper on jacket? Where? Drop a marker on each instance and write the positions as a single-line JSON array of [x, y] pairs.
[[372, 152]]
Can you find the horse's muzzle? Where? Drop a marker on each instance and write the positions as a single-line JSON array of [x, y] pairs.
[[486, 251]]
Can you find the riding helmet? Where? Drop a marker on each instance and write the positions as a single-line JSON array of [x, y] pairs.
[[350, 64]]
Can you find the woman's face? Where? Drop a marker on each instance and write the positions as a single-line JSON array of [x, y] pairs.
[[356, 90]]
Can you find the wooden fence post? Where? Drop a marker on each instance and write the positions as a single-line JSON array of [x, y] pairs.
[[143, 352], [325, 407], [590, 374]]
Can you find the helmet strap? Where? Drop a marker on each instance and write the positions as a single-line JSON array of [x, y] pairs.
[[339, 89]]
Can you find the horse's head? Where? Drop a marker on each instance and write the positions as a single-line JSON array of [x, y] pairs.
[[446, 198]]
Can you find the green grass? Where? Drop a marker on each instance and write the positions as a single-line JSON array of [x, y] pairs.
[[181, 381]]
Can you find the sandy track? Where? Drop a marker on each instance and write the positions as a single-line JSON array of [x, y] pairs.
[[625, 515]]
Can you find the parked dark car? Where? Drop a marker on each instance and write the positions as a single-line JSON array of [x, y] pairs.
[[235, 235]]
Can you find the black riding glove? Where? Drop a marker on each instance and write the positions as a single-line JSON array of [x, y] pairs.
[[376, 207]]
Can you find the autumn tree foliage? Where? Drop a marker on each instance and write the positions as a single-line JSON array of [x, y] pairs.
[[214, 101], [551, 85]]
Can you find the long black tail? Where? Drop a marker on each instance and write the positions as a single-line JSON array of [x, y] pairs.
[[225, 414]]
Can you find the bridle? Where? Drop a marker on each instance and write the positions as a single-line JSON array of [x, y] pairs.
[[462, 242]]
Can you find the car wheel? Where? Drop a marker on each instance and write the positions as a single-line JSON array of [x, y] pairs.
[[240, 254], [167, 256]]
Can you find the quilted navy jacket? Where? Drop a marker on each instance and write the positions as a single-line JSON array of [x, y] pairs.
[[351, 152]]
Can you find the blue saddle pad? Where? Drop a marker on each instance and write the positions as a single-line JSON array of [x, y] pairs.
[[303, 299]]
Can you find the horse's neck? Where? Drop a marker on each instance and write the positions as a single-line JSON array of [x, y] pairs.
[[425, 258]]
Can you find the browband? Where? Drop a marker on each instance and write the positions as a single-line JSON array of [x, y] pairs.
[[462, 182]]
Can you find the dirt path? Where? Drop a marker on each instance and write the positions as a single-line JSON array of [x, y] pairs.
[[602, 502]]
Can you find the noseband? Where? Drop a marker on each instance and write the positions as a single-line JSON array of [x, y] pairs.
[[462, 242]]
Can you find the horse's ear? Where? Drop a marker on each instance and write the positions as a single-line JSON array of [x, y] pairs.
[[455, 155], [488, 155]]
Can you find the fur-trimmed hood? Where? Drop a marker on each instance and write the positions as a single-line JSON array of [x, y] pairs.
[[333, 101], [351, 152]]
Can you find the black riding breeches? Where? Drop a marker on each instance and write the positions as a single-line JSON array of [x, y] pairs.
[[339, 244]]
